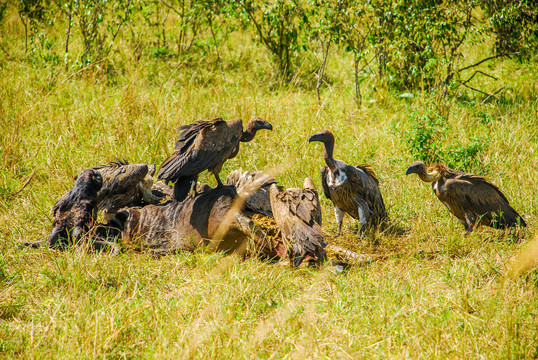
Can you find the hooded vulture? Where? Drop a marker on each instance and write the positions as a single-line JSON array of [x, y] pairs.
[[472, 199], [255, 187], [205, 145], [125, 185], [297, 213], [352, 189]]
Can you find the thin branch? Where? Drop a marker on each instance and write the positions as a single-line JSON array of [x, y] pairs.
[[68, 31], [479, 72], [265, 40], [23, 186], [322, 68], [480, 91], [119, 27], [210, 19], [483, 60], [492, 95], [170, 7]]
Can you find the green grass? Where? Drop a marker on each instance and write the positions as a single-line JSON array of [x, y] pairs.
[[437, 295]]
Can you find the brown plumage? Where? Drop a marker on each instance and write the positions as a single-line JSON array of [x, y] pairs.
[[472, 199], [125, 185], [76, 211], [297, 213], [205, 145], [255, 186], [208, 219], [352, 189]]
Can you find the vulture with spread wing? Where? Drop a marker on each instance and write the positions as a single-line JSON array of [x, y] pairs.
[[205, 145], [472, 199], [124, 185], [352, 189], [297, 213]]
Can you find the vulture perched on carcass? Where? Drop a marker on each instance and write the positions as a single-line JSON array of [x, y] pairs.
[[472, 199], [125, 185], [255, 187], [205, 145], [210, 219], [297, 213], [352, 189], [76, 211]]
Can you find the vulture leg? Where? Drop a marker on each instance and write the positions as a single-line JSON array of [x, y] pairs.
[[219, 183], [183, 186], [339, 214], [363, 217], [469, 224]]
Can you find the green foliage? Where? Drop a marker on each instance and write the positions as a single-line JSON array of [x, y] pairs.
[[514, 24], [427, 138], [425, 135], [278, 25]]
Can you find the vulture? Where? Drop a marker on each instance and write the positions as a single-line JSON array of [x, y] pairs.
[[255, 187], [76, 211], [472, 199], [208, 219], [125, 185], [297, 213], [352, 189], [205, 145]]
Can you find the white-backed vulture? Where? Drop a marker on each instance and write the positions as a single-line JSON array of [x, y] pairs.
[[125, 185], [472, 199], [352, 189], [255, 187], [205, 145], [297, 213], [207, 219]]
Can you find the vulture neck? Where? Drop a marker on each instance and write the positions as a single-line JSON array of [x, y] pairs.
[[248, 134], [328, 155], [429, 177]]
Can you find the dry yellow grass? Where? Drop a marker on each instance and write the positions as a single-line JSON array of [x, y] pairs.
[[435, 295]]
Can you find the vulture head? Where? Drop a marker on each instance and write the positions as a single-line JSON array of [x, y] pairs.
[[425, 174], [327, 138], [309, 184], [253, 125], [89, 178]]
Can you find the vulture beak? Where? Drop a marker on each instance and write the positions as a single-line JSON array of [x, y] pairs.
[[411, 170], [314, 137], [267, 125]]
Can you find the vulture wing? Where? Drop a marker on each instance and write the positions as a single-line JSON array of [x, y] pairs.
[[202, 146], [120, 176], [471, 194], [367, 191], [255, 187], [124, 185], [189, 132], [294, 211], [324, 184], [64, 203]]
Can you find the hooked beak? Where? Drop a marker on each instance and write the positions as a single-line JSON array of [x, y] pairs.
[[314, 137], [267, 125], [411, 170]]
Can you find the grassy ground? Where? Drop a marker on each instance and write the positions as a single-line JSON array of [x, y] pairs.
[[436, 295]]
